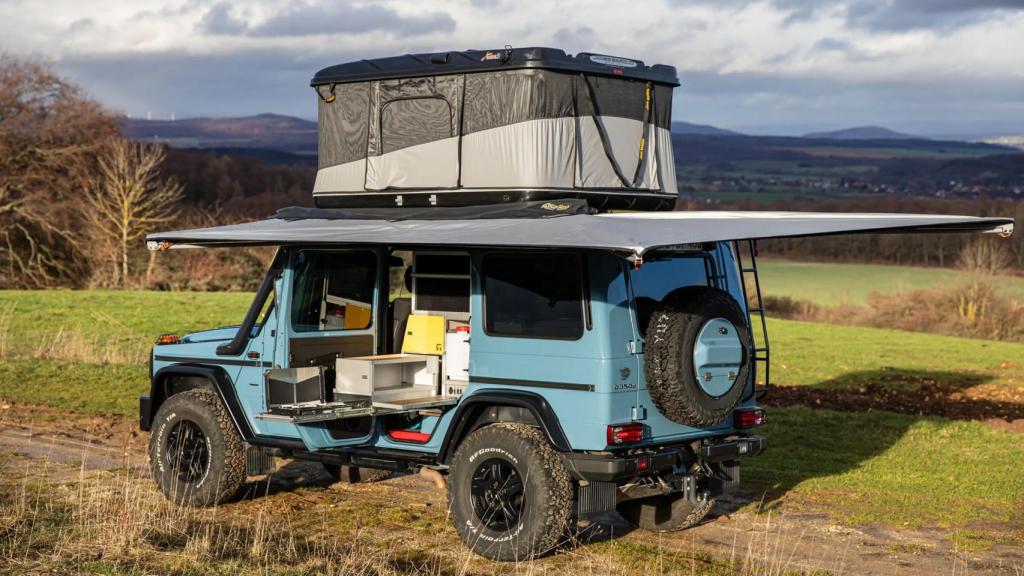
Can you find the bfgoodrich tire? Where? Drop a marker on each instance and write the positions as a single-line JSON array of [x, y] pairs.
[[509, 494], [197, 456], [664, 513], [355, 474], [669, 356]]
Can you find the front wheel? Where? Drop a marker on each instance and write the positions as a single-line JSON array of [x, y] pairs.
[[509, 494], [197, 456], [665, 513]]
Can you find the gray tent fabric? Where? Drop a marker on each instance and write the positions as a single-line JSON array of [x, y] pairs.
[[566, 127], [630, 234]]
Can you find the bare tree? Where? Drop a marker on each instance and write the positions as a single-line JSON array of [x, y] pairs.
[[985, 256], [49, 132], [127, 198]]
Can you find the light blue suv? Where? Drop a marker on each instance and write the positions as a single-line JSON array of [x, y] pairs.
[[544, 384]]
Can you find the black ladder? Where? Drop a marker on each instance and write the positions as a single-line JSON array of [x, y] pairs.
[[761, 352]]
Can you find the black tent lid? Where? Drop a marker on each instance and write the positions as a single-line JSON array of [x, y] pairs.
[[412, 65]]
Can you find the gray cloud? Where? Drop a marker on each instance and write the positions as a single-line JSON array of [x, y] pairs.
[[848, 49], [774, 103], [897, 15], [580, 38], [887, 15], [218, 20], [336, 18]]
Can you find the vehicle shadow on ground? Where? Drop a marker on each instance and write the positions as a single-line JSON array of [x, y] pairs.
[[834, 427], [288, 477], [820, 430], [837, 425]]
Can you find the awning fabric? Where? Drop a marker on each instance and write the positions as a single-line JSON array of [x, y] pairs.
[[631, 234]]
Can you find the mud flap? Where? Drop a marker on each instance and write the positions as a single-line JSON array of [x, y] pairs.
[[596, 497], [258, 460]]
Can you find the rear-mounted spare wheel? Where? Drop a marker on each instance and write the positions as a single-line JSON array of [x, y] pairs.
[[697, 356]]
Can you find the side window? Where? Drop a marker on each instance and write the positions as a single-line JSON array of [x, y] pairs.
[[533, 295], [333, 291]]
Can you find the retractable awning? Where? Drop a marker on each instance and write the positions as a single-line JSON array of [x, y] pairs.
[[631, 234]]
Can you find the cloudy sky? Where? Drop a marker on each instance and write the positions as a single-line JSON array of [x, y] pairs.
[[933, 67]]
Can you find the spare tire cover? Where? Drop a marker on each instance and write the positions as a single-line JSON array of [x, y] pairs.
[[697, 356]]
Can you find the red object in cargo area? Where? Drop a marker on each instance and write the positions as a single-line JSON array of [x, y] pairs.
[[408, 436], [625, 433], [749, 418]]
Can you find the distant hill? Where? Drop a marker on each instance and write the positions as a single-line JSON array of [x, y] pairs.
[[267, 131], [701, 129], [864, 133]]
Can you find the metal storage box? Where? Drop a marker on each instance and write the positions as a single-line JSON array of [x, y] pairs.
[[294, 385], [386, 377]]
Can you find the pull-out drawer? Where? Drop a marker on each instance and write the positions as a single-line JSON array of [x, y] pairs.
[[380, 376], [372, 385]]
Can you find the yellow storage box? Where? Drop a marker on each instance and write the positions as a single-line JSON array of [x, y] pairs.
[[424, 334]]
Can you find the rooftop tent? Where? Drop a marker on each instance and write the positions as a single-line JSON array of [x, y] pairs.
[[554, 225], [491, 126]]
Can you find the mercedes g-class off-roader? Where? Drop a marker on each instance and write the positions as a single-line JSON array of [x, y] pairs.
[[455, 303]]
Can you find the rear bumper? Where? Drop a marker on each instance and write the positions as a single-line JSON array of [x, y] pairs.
[[614, 467]]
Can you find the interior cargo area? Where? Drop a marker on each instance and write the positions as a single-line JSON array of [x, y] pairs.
[[353, 355]]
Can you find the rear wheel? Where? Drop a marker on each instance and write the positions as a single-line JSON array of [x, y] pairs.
[[665, 513], [509, 494], [197, 456], [355, 474]]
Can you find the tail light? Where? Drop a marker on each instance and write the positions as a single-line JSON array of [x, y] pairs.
[[168, 339], [619, 434], [749, 418]]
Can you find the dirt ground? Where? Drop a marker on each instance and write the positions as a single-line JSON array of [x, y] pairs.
[[787, 541], [994, 404]]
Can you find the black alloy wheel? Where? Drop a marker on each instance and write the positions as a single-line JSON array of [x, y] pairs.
[[497, 494], [187, 451]]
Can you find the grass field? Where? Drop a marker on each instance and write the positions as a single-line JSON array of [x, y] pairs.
[[829, 284], [876, 466], [826, 355]]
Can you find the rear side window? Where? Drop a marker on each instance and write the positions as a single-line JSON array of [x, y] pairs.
[[533, 296]]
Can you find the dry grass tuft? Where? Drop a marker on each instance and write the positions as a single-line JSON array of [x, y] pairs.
[[975, 310]]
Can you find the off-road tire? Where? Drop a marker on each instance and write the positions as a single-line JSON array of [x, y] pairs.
[[355, 474], [224, 471], [668, 356], [546, 507], [664, 513]]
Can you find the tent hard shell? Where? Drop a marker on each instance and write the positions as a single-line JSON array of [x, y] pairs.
[[629, 234], [486, 126]]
